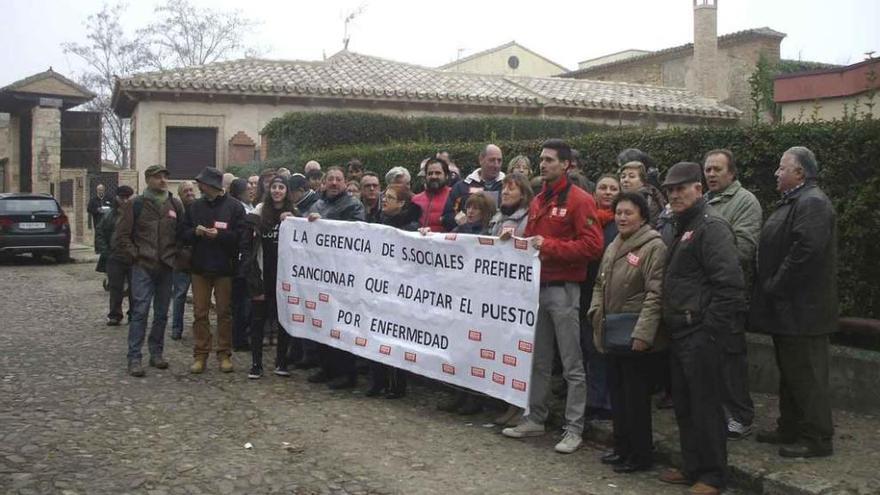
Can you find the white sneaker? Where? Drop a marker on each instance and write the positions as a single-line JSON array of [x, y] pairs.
[[569, 443], [737, 430], [525, 429]]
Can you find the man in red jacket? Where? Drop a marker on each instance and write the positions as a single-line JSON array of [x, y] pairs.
[[564, 228], [433, 199]]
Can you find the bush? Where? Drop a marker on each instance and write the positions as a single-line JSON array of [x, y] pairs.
[[296, 133], [848, 155]]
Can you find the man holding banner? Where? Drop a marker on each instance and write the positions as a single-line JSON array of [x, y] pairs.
[[564, 228]]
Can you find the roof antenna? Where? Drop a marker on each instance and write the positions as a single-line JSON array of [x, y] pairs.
[[346, 38]]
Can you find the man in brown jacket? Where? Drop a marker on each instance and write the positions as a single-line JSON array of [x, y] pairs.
[[147, 237]]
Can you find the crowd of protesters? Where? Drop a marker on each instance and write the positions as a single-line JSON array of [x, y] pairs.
[[646, 286]]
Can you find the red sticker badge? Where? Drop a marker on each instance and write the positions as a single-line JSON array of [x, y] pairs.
[[687, 235], [311, 304], [360, 341], [499, 378], [172, 214], [292, 300], [509, 360], [317, 323], [486, 241], [324, 297], [525, 346], [521, 244], [298, 318], [632, 259], [448, 369], [385, 349], [220, 225], [478, 372], [336, 334], [451, 237], [409, 356], [475, 335], [285, 286], [518, 385], [487, 354]]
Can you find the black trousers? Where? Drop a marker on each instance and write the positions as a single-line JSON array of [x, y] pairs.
[[263, 311], [336, 362], [388, 378], [804, 396], [118, 277], [737, 402], [695, 369], [631, 380]]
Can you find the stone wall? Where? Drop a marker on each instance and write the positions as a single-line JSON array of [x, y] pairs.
[[76, 214], [46, 149]]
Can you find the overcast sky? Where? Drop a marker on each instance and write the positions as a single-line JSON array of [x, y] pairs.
[[432, 33]]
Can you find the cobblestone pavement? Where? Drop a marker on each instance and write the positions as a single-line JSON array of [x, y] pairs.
[[72, 421]]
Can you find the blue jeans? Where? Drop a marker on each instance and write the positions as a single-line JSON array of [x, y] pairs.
[[148, 287], [180, 283]]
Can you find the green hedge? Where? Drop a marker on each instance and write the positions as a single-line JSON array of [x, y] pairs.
[[296, 133], [848, 154]]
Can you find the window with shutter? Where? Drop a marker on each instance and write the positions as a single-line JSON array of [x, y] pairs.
[[189, 149]]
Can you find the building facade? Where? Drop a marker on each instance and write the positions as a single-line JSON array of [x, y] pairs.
[[832, 94], [509, 59]]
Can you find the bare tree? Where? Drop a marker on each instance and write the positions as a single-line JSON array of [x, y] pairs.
[[108, 52], [183, 35], [180, 36]]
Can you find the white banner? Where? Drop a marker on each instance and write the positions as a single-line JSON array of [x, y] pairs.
[[456, 308]]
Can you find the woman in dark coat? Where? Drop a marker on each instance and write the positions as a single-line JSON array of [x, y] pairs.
[[400, 212], [260, 269]]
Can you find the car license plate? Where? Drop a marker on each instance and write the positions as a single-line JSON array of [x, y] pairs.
[[32, 225]]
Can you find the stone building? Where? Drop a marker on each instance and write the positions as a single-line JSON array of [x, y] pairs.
[[509, 59], [47, 148], [830, 94], [713, 66], [193, 117]]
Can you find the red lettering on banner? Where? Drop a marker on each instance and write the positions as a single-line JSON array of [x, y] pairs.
[[508, 359], [485, 241], [448, 369], [385, 349], [324, 297], [317, 323], [518, 385], [487, 354], [285, 286], [451, 237], [334, 333], [299, 318], [478, 372], [360, 341], [409, 356], [475, 335], [525, 346], [498, 378], [521, 244], [292, 300], [311, 305]]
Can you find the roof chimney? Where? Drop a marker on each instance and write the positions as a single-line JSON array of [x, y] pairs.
[[706, 48]]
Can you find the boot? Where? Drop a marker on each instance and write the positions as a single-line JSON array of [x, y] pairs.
[[198, 365], [226, 364]]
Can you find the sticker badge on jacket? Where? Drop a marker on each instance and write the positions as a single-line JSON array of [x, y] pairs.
[[687, 235], [220, 225], [632, 259], [475, 190], [558, 212], [172, 214]]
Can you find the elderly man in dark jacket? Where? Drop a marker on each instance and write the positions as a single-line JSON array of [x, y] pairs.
[[213, 228], [795, 301], [146, 238], [703, 294], [337, 366]]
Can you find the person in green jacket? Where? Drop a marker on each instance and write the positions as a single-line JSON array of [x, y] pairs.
[[743, 211]]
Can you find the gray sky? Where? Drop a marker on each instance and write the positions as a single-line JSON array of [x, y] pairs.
[[431, 33]]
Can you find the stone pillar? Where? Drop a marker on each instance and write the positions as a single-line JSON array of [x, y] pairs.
[[705, 65], [46, 149]]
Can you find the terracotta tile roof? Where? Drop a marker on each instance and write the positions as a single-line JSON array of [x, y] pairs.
[[762, 32], [348, 75]]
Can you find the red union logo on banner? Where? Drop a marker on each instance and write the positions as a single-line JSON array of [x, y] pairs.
[[285, 286], [525, 346], [324, 297], [311, 305], [334, 333], [448, 369], [317, 323], [521, 244], [486, 241], [498, 378], [385, 349], [478, 372], [298, 318], [409, 356], [475, 335], [508, 359], [451, 237], [518, 385], [487, 354], [359, 341], [292, 300]]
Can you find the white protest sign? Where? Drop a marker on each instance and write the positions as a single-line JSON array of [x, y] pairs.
[[456, 308]]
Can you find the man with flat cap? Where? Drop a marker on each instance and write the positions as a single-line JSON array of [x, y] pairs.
[[213, 228], [146, 237], [702, 299], [795, 301]]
